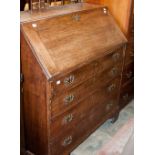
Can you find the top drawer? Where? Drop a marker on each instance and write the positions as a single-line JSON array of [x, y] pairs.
[[89, 70]]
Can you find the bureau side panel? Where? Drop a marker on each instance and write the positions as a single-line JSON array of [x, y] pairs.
[[34, 102]]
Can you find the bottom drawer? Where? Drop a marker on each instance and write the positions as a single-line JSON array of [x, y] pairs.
[[127, 93], [68, 136], [66, 142]]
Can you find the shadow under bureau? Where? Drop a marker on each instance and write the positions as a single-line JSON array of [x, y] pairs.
[[71, 65]]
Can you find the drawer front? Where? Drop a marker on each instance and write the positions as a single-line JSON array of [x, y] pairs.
[[68, 139], [83, 73], [127, 93], [128, 73], [98, 100], [73, 96]]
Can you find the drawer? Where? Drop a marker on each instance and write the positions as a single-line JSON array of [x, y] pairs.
[[73, 96], [68, 139], [64, 82], [97, 101], [128, 73], [129, 56], [127, 93]]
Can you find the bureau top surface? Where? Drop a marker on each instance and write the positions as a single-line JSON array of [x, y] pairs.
[[64, 42]]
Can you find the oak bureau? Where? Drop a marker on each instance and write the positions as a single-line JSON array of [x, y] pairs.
[[71, 71]]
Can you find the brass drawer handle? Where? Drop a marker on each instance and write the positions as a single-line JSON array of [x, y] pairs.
[[69, 99], [69, 80], [114, 71], [126, 96], [109, 105], [67, 119], [116, 56], [111, 87], [67, 141], [129, 74]]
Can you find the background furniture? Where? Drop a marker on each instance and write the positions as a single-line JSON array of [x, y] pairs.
[[49, 2], [123, 12]]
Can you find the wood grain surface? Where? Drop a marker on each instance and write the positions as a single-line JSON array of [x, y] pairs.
[[78, 54], [34, 102], [54, 46]]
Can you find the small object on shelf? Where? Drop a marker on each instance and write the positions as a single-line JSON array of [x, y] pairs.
[[39, 5], [26, 7]]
